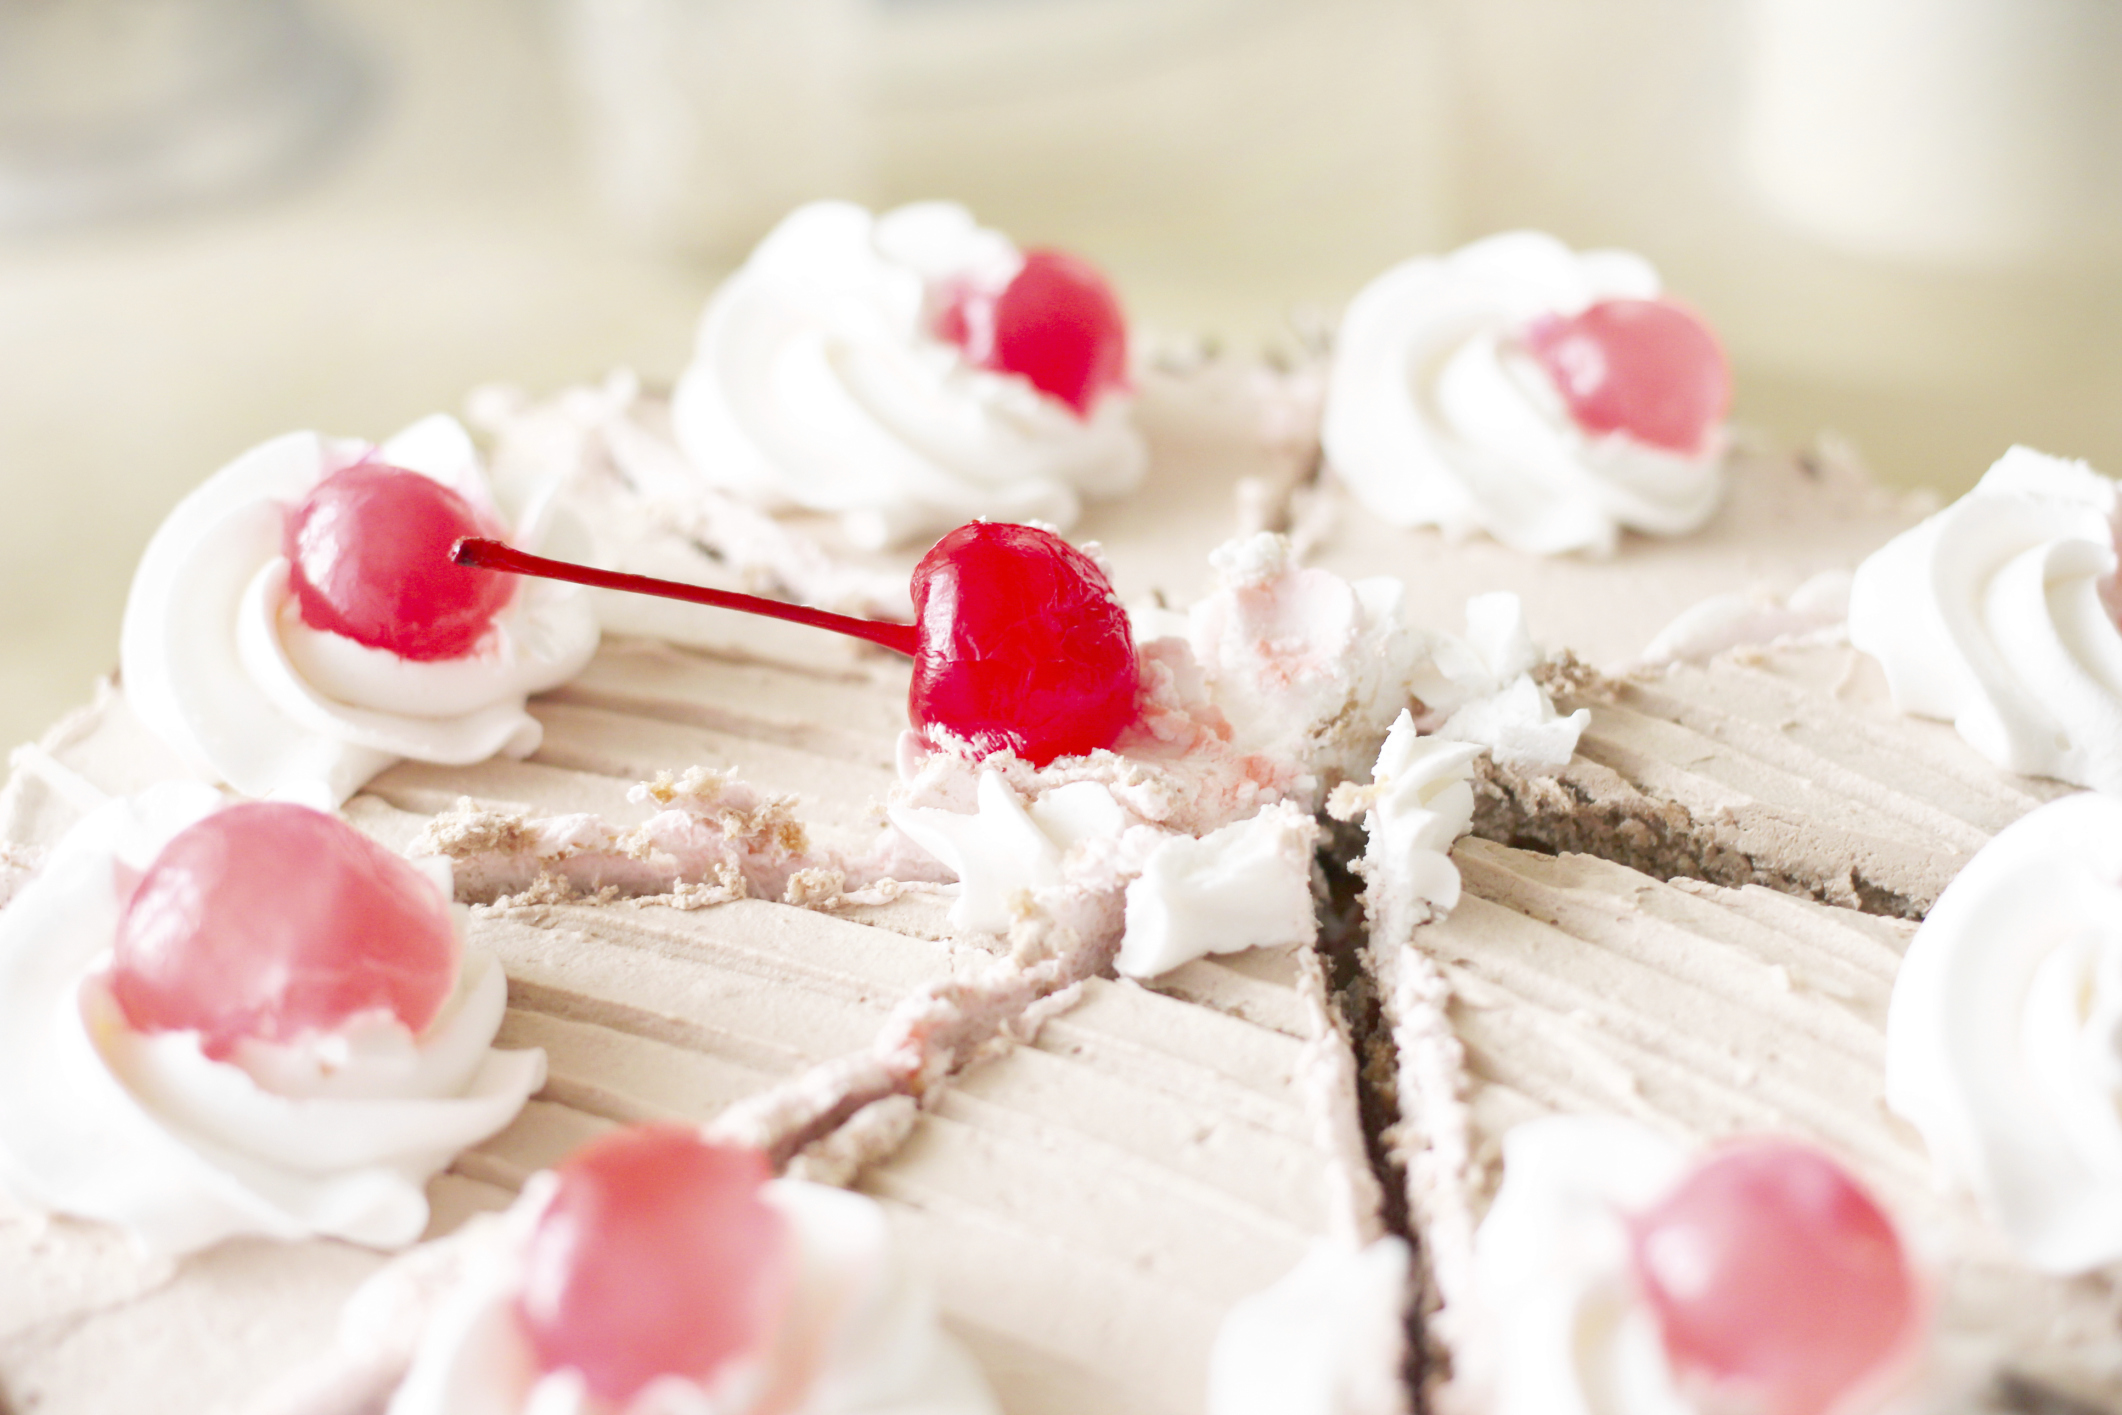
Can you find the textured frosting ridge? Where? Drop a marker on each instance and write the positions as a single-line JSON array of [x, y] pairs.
[[818, 382], [335, 1137], [1435, 416], [1995, 615], [2004, 1036], [219, 664]]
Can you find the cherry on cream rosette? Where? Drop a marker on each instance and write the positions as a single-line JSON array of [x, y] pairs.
[[2004, 1035], [296, 625], [908, 372], [1997, 614], [653, 1272], [1616, 1274], [243, 1019], [1549, 398]]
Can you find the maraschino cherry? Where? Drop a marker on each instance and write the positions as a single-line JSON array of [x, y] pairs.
[[656, 1257], [1057, 324], [1647, 368], [267, 920], [1775, 1278], [1018, 641], [368, 557]]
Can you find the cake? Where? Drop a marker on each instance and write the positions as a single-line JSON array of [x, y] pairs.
[[1105, 1140]]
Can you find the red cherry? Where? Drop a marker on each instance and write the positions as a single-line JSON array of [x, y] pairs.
[[1775, 1276], [1057, 323], [268, 920], [656, 1257], [1020, 643], [368, 556], [1023, 644], [1648, 368]]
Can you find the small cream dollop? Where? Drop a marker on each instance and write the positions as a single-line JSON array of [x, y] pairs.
[[334, 1135], [1436, 416], [1997, 615], [2004, 1036], [860, 1336], [217, 661], [819, 382], [1328, 1339]]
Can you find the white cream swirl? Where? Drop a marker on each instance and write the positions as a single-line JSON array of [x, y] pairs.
[[818, 382], [1328, 1339], [1436, 416], [218, 663], [1996, 614], [860, 1336], [2004, 1036], [334, 1136], [1557, 1325]]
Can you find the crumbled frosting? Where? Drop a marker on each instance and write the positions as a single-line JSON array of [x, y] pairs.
[[1244, 885], [1420, 800], [218, 662], [610, 448], [333, 1135], [1997, 615], [818, 381], [1481, 689], [438, 1333], [2004, 1037], [1437, 416], [1742, 618], [1327, 1339]]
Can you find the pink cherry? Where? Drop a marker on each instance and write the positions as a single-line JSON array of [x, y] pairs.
[[1647, 368], [657, 1256], [1057, 323], [368, 555], [267, 920], [1775, 1277], [1022, 645]]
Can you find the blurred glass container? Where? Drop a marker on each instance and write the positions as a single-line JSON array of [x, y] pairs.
[[706, 120], [114, 106], [1226, 160], [1904, 216]]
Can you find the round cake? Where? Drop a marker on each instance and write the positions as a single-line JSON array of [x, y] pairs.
[[1371, 881]]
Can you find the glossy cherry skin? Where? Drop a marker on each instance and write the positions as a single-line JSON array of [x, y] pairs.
[[267, 920], [657, 1256], [1022, 645], [1057, 324], [1775, 1277], [368, 552], [1647, 368]]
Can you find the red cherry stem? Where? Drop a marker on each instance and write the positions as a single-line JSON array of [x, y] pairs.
[[483, 554]]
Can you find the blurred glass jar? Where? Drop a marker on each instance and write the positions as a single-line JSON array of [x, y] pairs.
[[1905, 216], [114, 106], [706, 120]]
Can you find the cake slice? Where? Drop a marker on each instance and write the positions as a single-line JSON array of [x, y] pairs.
[[1570, 985]]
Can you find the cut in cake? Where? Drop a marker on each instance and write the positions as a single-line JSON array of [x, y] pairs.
[[1067, 1018]]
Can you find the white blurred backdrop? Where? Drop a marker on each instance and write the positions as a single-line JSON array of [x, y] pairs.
[[223, 219]]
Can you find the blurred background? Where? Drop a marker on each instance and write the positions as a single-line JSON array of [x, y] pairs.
[[224, 219]]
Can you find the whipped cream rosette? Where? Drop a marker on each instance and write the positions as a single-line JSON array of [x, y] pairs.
[[1613, 1274], [226, 657], [1330, 1338], [2004, 1037], [1996, 615], [1548, 398], [187, 1127], [653, 1272], [907, 372]]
